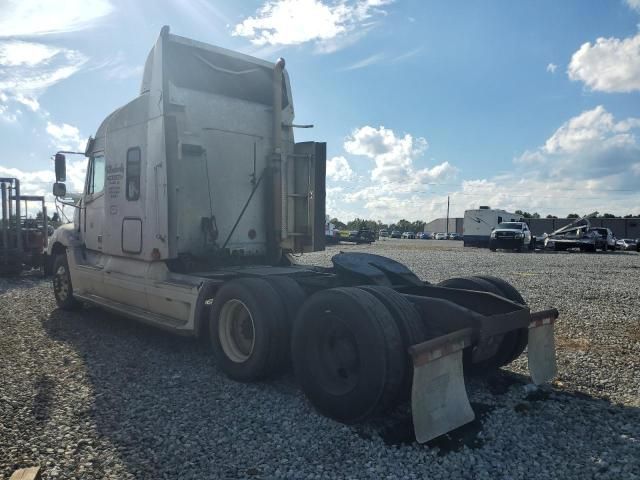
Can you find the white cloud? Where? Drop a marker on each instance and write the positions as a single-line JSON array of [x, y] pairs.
[[17, 53], [551, 67], [609, 65], [65, 137], [28, 69], [365, 62], [7, 115], [634, 5], [589, 130], [406, 55], [123, 71], [338, 169], [394, 156], [40, 182], [436, 174], [40, 17], [591, 162], [293, 22], [116, 67]]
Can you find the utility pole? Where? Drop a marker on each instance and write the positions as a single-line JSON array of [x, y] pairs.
[[447, 215]]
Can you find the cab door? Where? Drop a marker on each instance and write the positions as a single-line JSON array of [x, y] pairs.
[[93, 208], [88, 262]]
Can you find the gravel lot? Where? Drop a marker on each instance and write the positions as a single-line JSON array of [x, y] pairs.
[[91, 395]]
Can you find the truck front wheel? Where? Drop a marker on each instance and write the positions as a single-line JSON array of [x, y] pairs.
[[62, 287]]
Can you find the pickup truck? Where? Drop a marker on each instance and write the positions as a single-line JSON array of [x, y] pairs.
[[511, 236]]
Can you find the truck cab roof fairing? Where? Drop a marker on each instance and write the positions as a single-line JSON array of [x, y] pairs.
[[198, 66]]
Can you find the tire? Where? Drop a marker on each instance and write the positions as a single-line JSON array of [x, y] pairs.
[[493, 249], [409, 323], [292, 297], [481, 285], [347, 354], [508, 290], [518, 339], [248, 331], [470, 283], [291, 294], [62, 287]]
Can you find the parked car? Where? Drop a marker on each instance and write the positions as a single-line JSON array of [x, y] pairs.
[[455, 236], [383, 233], [423, 236], [396, 234], [510, 236], [440, 236], [607, 235], [627, 244], [364, 235], [409, 235]]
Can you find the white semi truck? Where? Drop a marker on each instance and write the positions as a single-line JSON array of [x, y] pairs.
[[196, 196]]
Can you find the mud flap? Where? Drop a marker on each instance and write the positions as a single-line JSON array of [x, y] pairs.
[[541, 348], [439, 401]]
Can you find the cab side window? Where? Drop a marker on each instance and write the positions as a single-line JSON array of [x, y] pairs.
[[95, 182], [133, 174]]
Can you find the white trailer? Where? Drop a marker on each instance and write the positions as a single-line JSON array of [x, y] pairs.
[[196, 194], [477, 225]]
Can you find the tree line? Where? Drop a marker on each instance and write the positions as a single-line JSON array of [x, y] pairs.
[[404, 225], [376, 225], [573, 215]]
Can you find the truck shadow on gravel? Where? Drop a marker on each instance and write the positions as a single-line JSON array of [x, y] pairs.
[[161, 402], [23, 280]]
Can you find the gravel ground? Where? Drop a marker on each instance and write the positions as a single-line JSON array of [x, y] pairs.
[[90, 395]]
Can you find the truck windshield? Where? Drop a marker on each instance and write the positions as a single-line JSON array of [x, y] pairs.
[[511, 226]]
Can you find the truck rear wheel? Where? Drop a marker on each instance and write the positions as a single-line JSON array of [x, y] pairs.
[[481, 285], [348, 354], [62, 287], [409, 325], [518, 339], [247, 330], [292, 297]]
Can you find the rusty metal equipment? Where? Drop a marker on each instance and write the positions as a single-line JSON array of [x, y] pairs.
[[23, 239]]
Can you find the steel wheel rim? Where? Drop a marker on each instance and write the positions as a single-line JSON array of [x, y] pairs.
[[339, 366], [62, 284], [236, 331]]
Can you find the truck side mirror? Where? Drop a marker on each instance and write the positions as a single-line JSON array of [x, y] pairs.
[[61, 168], [59, 189]]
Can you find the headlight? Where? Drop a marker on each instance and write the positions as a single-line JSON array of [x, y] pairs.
[[519, 235], [493, 234]]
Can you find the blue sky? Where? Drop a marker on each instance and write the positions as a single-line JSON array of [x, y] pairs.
[[519, 105]]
